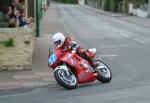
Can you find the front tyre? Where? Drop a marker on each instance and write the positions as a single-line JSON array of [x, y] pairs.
[[103, 71], [66, 79]]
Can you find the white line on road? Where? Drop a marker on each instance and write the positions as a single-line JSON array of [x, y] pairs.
[[106, 26], [140, 41], [101, 23], [44, 73], [124, 34], [26, 76], [129, 33], [35, 83], [48, 79], [114, 30], [114, 46], [108, 55]]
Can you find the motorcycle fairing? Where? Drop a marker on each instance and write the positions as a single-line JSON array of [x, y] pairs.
[[52, 59], [92, 50], [69, 59], [81, 66]]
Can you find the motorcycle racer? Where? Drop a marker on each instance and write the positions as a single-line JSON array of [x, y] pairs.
[[67, 43], [73, 65]]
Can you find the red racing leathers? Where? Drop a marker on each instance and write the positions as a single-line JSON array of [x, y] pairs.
[[69, 44]]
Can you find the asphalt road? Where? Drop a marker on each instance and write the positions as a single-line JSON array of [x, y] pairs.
[[123, 46]]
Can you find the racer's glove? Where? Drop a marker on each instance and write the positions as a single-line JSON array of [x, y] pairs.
[[72, 45]]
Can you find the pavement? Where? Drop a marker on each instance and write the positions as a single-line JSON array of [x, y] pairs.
[[128, 18], [41, 74]]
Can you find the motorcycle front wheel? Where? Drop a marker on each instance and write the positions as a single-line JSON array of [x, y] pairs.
[[103, 71], [66, 79]]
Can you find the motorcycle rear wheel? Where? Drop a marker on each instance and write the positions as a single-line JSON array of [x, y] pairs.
[[65, 80], [103, 71]]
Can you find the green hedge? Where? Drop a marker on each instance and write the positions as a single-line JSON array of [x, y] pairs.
[[100, 4], [3, 2], [105, 5], [8, 43], [125, 6], [120, 7], [139, 1], [113, 5], [71, 1]]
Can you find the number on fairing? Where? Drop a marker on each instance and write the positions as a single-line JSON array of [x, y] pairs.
[[52, 59]]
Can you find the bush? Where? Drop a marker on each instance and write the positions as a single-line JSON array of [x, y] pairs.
[[100, 4], [120, 7], [8, 43], [125, 6], [71, 1], [113, 5], [105, 5], [3, 2], [137, 3]]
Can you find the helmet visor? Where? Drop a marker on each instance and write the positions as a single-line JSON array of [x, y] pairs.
[[57, 43]]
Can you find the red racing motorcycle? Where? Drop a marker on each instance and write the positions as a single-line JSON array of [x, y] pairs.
[[71, 69]]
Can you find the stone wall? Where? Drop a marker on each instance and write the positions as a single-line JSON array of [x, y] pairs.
[[17, 56]]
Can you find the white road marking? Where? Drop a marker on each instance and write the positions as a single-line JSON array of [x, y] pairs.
[[106, 26], [26, 76], [114, 30], [35, 83], [101, 23], [48, 79], [44, 73], [108, 55], [140, 41], [114, 46], [129, 33], [125, 34], [122, 32]]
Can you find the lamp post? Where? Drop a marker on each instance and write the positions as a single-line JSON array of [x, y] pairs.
[[148, 8], [37, 17]]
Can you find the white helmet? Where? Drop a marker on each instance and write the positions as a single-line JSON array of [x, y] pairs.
[[58, 39]]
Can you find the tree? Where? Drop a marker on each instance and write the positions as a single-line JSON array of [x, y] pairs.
[[148, 8], [125, 6], [3, 2]]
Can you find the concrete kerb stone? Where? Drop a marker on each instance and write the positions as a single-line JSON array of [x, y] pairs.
[[114, 15], [147, 26], [103, 12], [22, 89], [20, 85]]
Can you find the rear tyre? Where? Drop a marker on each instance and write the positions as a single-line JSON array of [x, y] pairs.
[[66, 80], [103, 71]]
